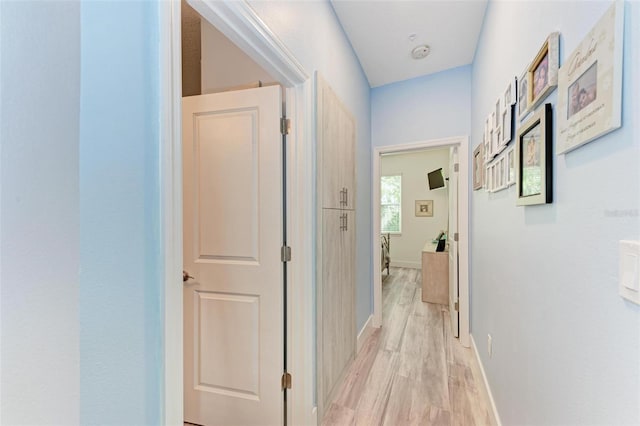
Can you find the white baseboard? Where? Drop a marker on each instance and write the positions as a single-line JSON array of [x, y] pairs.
[[487, 389], [403, 264], [364, 334]]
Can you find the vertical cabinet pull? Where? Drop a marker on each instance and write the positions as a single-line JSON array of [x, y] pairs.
[[343, 222], [346, 197], [343, 196]]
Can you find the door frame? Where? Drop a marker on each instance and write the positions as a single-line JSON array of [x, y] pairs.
[[240, 23], [463, 223]]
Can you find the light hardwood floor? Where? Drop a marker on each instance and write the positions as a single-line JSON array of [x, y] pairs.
[[412, 371]]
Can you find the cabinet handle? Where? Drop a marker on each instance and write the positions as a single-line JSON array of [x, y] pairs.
[[346, 222], [346, 196]]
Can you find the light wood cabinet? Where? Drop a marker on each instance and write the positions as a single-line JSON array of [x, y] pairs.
[[336, 150], [335, 284], [435, 275]]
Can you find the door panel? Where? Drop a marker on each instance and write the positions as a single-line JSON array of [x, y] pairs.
[[453, 244], [233, 308]]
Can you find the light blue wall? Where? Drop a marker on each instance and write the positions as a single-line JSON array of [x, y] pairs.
[[566, 347], [313, 34], [424, 108], [120, 281], [39, 242]]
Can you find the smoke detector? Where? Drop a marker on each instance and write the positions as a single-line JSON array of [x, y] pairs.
[[420, 52]]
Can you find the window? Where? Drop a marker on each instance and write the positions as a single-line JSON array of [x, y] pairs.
[[390, 203]]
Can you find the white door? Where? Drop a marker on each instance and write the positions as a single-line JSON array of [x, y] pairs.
[[233, 219], [453, 244]]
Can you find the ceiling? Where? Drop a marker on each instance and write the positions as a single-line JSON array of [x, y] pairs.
[[379, 32]]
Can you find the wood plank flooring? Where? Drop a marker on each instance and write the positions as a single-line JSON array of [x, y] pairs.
[[412, 371]]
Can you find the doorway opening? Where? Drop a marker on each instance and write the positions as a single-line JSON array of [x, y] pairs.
[[240, 24], [455, 235]]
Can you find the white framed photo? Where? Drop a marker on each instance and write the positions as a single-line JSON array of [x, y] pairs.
[[510, 166], [590, 84], [487, 179], [523, 93]]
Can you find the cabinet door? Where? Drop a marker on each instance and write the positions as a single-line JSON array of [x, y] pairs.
[[329, 148], [330, 320], [348, 157], [348, 260]]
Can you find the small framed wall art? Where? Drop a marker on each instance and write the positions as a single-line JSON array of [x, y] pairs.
[[424, 208], [523, 96], [590, 84], [543, 71], [533, 159], [478, 167], [511, 166]]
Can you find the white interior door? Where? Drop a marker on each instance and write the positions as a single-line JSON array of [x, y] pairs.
[[453, 244], [233, 218]]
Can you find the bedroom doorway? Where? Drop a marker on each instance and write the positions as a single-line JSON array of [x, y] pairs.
[[455, 231]]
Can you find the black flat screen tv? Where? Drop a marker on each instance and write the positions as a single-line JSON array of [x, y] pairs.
[[436, 179]]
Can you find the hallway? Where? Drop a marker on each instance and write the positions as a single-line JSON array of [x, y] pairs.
[[411, 371]]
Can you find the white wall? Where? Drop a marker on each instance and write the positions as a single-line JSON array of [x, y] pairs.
[[225, 66], [406, 247], [39, 254], [425, 108], [566, 347], [121, 285], [313, 34]]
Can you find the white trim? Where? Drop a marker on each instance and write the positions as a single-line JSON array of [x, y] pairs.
[[171, 208], [487, 388], [239, 22], [405, 264], [463, 224], [364, 334]]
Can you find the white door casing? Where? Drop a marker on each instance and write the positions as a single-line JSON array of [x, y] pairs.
[[452, 240], [239, 22], [233, 307]]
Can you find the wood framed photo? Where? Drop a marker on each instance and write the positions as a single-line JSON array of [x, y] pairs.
[[590, 84], [543, 71], [478, 167], [424, 208], [523, 96], [511, 166], [533, 159]]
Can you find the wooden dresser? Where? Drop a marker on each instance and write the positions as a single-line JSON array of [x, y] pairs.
[[435, 275]]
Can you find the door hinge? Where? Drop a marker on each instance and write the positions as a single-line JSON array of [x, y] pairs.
[[456, 167], [285, 254], [456, 306], [285, 125], [455, 236], [286, 381]]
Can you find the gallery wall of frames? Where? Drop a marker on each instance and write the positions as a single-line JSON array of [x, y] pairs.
[[518, 142]]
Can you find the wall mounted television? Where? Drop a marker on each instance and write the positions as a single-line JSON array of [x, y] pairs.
[[436, 179]]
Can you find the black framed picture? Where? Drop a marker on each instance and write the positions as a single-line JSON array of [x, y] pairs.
[[533, 157]]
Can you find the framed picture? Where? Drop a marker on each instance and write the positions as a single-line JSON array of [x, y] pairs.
[[496, 115], [478, 167], [506, 115], [486, 141], [543, 71], [533, 159], [487, 179], [497, 141], [509, 97], [590, 84], [523, 96], [424, 208], [511, 166]]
